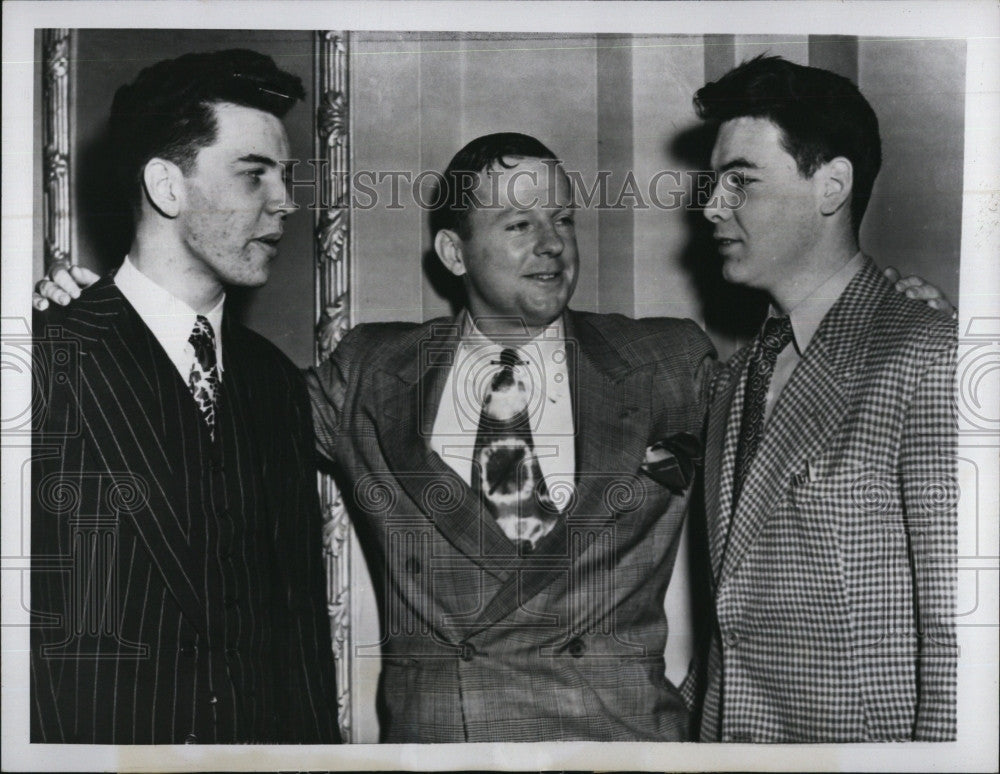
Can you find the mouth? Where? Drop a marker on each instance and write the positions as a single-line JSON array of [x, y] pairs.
[[269, 241], [725, 244], [544, 277]]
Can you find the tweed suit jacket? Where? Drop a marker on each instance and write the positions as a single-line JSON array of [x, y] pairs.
[[835, 578], [177, 585], [481, 644]]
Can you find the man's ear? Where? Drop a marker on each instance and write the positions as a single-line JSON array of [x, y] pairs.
[[161, 182], [448, 246], [837, 182]]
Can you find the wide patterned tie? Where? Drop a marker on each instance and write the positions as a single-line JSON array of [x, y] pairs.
[[505, 471], [773, 338], [204, 377]]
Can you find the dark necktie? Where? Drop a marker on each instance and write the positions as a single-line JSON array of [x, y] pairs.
[[505, 469], [773, 338], [204, 377]]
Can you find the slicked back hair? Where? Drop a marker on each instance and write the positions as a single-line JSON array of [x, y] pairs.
[[168, 111], [462, 174]]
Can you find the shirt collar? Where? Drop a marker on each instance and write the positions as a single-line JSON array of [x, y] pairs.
[[808, 313], [544, 355], [168, 318], [555, 332]]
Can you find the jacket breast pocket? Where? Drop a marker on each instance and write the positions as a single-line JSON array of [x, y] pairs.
[[856, 489]]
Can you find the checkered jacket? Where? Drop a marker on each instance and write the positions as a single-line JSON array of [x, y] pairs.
[[835, 578], [480, 644]]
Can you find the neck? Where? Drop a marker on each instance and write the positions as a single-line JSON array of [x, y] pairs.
[[507, 331], [168, 265], [816, 268]]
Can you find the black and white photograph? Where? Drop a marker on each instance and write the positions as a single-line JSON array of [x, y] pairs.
[[510, 386]]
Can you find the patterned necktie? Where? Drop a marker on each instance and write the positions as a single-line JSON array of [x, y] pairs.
[[204, 377], [774, 337], [505, 471]]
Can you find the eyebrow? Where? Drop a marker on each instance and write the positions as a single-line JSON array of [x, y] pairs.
[[499, 213], [737, 163], [253, 158]]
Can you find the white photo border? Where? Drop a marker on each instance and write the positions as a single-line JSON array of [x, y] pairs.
[[977, 22]]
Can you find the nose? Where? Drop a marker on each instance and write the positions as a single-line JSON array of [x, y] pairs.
[[281, 201], [549, 242], [717, 209]]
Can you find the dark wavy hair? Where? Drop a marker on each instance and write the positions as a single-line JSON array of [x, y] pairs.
[[462, 174], [168, 112], [821, 115]]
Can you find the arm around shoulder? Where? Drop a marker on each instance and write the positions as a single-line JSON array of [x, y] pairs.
[[327, 386]]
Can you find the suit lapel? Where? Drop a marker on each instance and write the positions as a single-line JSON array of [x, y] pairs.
[[720, 409], [611, 412], [130, 380], [807, 414], [408, 393]]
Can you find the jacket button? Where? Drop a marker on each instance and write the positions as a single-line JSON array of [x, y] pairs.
[[413, 565], [191, 739], [576, 647], [213, 699], [468, 651], [732, 639]]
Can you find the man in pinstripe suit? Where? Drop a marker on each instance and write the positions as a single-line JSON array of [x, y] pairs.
[[177, 586], [830, 454]]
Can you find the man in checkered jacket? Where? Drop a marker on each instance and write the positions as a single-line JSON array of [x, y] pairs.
[[830, 480]]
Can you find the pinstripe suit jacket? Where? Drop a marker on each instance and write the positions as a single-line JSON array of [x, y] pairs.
[[480, 644], [834, 580], [177, 586]]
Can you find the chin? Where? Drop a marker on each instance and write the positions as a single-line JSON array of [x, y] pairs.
[[542, 319], [731, 272], [255, 277]]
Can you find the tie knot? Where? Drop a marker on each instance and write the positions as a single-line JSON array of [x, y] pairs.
[[776, 335], [202, 331], [509, 358], [202, 339]]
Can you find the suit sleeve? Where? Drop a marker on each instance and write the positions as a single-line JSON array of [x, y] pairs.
[[930, 493], [312, 694], [327, 385], [705, 362]]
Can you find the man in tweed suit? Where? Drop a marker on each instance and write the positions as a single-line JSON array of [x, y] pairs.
[[556, 632], [830, 454], [177, 585]]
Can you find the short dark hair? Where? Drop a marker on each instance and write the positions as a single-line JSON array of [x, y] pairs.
[[462, 174], [168, 111], [821, 115]]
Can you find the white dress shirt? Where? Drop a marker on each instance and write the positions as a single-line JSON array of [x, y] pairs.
[[806, 317], [168, 318], [546, 375]]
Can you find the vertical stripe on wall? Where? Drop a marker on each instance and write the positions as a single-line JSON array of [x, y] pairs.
[[837, 53], [615, 227], [720, 56], [914, 218]]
